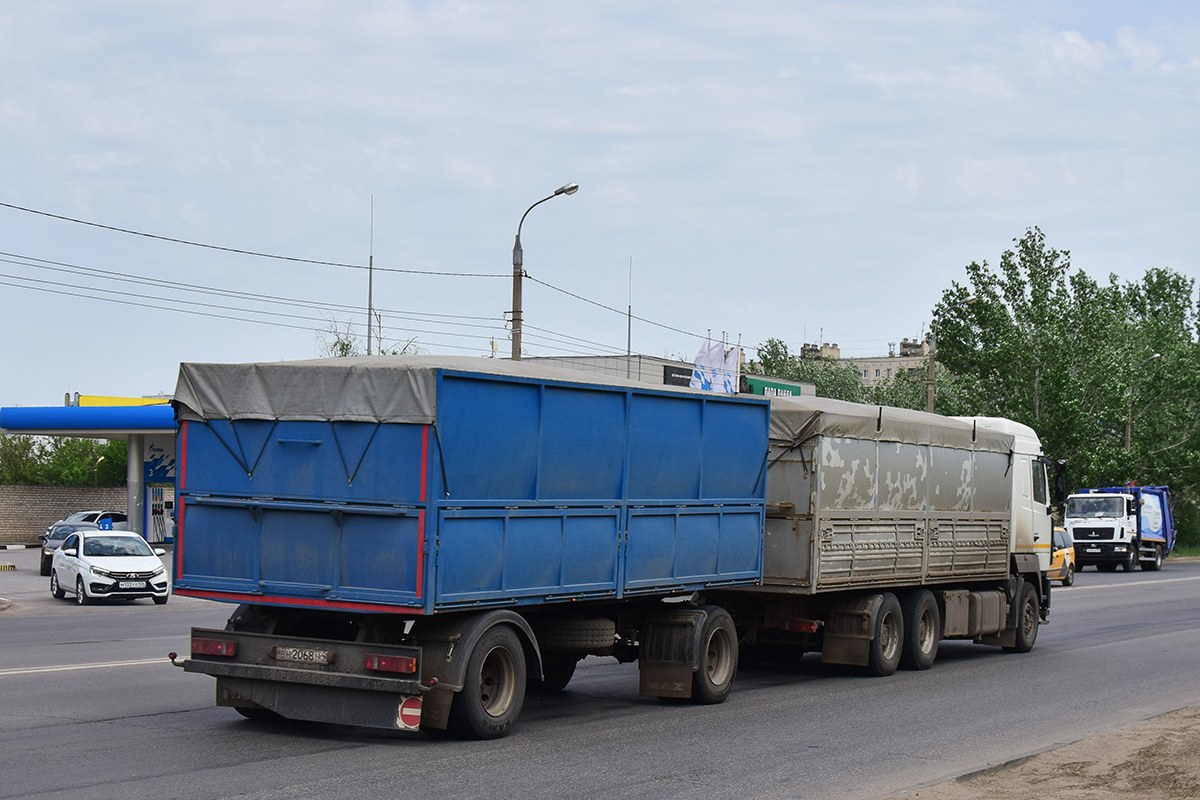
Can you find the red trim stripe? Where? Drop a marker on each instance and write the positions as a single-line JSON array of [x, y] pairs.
[[296, 601], [421, 513]]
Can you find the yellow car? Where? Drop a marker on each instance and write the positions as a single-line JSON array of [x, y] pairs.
[[1062, 565]]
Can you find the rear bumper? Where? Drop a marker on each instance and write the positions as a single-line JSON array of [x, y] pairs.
[[341, 691]]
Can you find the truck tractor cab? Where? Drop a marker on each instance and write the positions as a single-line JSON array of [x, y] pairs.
[[1104, 528]]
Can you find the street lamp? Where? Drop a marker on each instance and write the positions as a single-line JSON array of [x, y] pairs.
[[1129, 409], [95, 470], [518, 273]]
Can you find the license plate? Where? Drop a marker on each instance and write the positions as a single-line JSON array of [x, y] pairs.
[[303, 655], [131, 584], [1093, 550]]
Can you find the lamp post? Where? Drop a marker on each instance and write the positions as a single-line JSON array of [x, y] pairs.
[[95, 472], [1129, 408], [518, 272]]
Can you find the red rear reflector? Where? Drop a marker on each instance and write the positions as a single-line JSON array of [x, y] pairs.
[[799, 626], [381, 663], [214, 647]]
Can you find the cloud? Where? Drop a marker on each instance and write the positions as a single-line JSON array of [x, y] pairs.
[[1143, 54]]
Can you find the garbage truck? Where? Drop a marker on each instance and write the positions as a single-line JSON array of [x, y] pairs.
[[1121, 526], [414, 543]]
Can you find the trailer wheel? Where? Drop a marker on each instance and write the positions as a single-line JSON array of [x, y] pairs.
[[1131, 561], [1155, 563], [887, 640], [1028, 612], [494, 687], [922, 630], [557, 671], [713, 679]]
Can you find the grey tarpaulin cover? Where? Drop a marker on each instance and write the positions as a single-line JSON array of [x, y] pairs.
[[362, 389], [796, 419]]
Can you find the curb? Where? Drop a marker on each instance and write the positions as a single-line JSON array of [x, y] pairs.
[[17, 546]]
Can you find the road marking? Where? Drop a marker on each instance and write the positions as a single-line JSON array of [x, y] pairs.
[[68, 667], [1126, 585]]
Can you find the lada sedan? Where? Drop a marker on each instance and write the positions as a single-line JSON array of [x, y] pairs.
[[99, 564]]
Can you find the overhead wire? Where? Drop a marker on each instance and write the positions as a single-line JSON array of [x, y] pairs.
[[262, 298]]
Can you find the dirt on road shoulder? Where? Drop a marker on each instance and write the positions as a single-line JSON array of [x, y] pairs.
[[1156, 759]]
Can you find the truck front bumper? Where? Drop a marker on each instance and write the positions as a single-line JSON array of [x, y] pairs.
[[1101, 552]]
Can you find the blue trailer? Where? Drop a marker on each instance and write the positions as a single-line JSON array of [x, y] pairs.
[[428, 500], [413, 542]]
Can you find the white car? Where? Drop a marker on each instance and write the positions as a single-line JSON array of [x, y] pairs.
[[97, 564]]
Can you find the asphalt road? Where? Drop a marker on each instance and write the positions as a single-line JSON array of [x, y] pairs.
[[91, 708]]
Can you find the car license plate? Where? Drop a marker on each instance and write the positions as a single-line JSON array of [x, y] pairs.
[[1093, 550], [131, 584], [304, 655]]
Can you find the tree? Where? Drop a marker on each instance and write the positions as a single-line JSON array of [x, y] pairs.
[[62, 461], [1081, 363], [832, 378]]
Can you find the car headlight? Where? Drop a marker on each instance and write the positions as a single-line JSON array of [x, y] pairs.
[[101, 572], [157, 572]]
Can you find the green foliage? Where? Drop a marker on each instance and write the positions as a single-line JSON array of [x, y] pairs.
[[1081, 362], [832, 378], [62, 461]]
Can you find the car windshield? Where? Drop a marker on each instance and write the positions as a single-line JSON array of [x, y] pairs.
[[60, 533], [1094, 507], [116, 546]]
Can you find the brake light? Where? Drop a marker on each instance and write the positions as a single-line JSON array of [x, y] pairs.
[[799, 625], [382, 663], [214, 647]]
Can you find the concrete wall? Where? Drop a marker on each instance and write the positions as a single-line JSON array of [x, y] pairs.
[[25, 511]]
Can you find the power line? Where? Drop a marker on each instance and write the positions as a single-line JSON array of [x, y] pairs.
[[250, 252], [614, 310]]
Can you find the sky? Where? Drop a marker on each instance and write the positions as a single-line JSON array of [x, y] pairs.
[[808, 171]]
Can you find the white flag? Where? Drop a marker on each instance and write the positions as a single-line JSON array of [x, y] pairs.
[[704, 371]]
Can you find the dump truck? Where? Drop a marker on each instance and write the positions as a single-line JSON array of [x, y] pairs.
[[1124, 526], [412, 543]]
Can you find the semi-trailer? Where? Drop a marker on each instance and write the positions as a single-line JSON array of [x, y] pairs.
[[412, 542]]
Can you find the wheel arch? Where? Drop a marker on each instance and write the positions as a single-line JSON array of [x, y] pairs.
[[447, 644]]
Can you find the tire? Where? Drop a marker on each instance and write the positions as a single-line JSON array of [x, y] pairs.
[[494, 690], [557, 671], [713, 678], [1070, 579], [161, 601], [81, 596], [45, 567], [1106, 566], [1028, 618], [1154, 564], [887, 639], [588, 635], [55, 589], [1131, 561], [922, 630]]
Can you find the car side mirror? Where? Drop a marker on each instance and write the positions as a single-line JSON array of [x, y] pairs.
[[158, 551], [71, 552]]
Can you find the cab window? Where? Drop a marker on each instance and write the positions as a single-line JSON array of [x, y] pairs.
[[1041, 492]]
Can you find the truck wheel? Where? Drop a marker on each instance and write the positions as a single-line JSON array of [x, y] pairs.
[[713, 679], [922, 630], [887, 640], [494, 687], [557, 671], [1070, 579], [1154, 564], [1027, 619], [1131, 560]]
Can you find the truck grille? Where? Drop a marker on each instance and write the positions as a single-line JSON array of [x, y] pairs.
[[1092, 534]]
